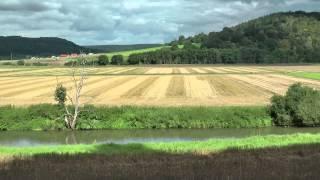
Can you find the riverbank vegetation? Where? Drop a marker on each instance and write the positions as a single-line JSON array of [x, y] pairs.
[[51, 117], [299, 107]]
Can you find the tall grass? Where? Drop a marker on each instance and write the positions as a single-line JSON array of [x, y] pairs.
[[50, 117]]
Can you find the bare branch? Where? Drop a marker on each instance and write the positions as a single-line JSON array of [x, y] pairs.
[[78, 77]]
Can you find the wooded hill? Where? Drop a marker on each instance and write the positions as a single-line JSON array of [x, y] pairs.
[[22, 47], [290, 37]]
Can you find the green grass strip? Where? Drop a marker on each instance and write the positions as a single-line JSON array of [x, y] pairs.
[[308, 75]]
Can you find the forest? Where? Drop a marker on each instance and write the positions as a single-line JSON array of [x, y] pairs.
[[290, 37]]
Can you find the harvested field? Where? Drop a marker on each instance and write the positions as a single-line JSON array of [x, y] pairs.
[[148, 86], [140, 89], [226, 86], [157, 70], [195, 71], [160, 71], [134, 71], [176, 71], [214, 70], [176, 87], [159, 88]]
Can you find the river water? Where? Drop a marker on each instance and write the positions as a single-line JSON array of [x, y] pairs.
[[34, 138]]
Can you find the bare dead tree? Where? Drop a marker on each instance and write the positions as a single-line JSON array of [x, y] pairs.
[[73, 110]]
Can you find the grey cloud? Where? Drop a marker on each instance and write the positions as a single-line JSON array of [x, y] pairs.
[[30, 6], [133, 21]]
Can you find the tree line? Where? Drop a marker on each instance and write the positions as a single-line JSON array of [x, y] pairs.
[[224, 56], [102, 60]]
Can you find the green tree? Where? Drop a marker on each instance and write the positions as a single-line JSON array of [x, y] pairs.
[[135, 58], [117, 60], [174, 46], [60, 94], [103, 60], [189, 45], [299, 107], [21, 63], [309, 110], [181, 40], [278, 111]]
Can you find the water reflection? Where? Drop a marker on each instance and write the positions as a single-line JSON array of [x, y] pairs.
[[71, 138], [135, 136]]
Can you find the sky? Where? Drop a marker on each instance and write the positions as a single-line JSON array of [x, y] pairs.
[[99, 22]]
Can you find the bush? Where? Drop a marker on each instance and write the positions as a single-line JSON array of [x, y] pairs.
[[309, 111], [39, 64], [60, 95], [7, 63], [71, 63], [103, 60], [299, 107], [278, 111], [21, 63], [117, 60]]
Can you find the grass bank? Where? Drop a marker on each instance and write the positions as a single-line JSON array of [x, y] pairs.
[[202, 147], [268, 157], [50, 117], [290, 162]]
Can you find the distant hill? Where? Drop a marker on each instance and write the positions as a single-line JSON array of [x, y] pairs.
[[118, 48], [21, 47], [290, 31], [286, 37]]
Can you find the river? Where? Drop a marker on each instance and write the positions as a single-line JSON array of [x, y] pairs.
[[35, 138]]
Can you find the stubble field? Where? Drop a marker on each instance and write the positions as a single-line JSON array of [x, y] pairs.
[[155, 86]]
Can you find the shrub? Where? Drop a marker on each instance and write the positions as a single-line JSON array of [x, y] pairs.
[[39, 64], [299, 107], [60, 95], [117, 60], [278, 111], [7, 63], [103, 60], [71, 63], [21, 63], [309, 111]]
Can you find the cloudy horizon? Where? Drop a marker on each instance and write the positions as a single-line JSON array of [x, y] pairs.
[[96, 22]]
